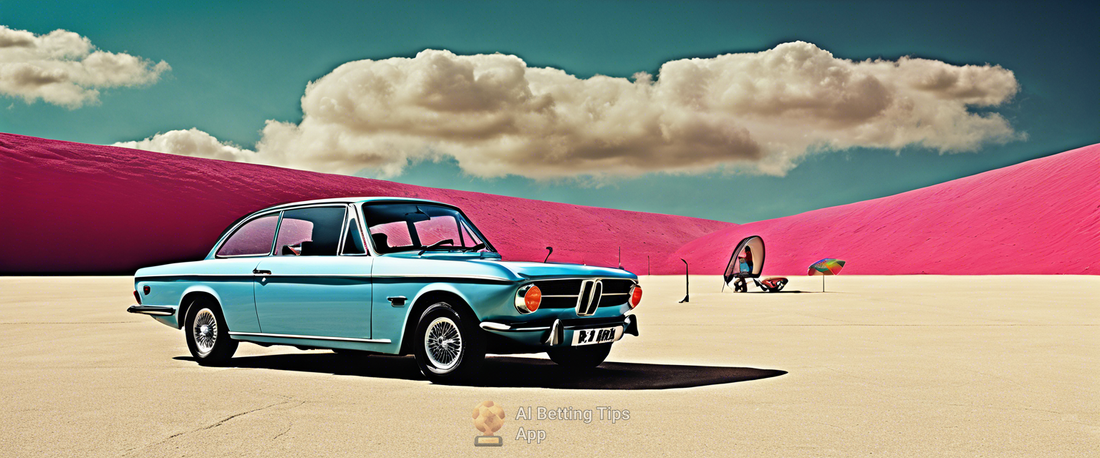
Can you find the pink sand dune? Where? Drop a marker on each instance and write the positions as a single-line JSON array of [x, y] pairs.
[[71, 207], [1036, 217]]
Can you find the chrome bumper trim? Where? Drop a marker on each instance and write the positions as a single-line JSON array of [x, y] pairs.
[[556, 334], [494, 326], [153, 310], [630, 324]]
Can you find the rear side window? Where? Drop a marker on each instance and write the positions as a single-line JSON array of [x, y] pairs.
[[310, 231], [251, 239]]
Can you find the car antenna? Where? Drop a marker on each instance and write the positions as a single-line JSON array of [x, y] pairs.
[[548, 253], [621, 258], [687, 283]]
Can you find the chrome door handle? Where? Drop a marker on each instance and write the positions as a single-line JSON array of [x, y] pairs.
[[261, 272]]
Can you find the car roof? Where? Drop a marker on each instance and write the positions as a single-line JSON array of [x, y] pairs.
[[353, 200]]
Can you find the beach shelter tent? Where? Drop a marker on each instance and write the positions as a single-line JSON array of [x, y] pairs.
[[747, 261]]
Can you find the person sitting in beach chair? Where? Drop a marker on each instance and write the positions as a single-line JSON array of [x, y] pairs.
[[745, 266]]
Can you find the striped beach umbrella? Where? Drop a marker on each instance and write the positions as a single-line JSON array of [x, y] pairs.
[[827, 266]]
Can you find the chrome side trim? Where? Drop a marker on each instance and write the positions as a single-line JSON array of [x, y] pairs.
[[459, 277], [538, 279], [250, 275], [314, 275], [453, 277], [289, 336]]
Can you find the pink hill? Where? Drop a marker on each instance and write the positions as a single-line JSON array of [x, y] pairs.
[[78, 208], [1036, 217]]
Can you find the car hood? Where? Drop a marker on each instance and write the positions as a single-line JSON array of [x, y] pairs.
[[525, 269], [550, 270]]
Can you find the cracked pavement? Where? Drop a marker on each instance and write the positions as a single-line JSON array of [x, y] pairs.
[[894, 366]]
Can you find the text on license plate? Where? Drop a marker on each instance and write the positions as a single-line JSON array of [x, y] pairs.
[[597, 335]]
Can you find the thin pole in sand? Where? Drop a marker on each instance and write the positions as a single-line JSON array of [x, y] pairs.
[[687, 283]]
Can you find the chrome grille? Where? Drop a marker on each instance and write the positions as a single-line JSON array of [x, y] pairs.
[[589, 300], [583, 294]]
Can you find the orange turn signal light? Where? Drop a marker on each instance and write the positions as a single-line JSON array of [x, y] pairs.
[[528, 299], [533, 298], [635, 296]]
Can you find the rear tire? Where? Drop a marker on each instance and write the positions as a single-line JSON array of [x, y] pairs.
[[585, 357], [207, 334], [448, 345]]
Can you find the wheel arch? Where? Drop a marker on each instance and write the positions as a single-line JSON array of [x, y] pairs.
[[423, 300], [189, 296]]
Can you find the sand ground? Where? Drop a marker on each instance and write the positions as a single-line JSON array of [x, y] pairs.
[[883, 366]]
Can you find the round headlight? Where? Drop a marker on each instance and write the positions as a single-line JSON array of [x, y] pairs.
[[528, 299], [635, 296]]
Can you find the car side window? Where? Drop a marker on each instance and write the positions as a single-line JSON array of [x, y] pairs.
[[388, 236], [353, 241], [313, 231], [251, 239]]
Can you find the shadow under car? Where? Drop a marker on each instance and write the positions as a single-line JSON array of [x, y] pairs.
[[514, 372]]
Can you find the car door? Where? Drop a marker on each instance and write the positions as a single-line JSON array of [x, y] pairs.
[[318, 282], [230, 275]]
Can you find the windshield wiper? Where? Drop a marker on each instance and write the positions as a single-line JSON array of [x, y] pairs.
[[435, 245], [473, 248]]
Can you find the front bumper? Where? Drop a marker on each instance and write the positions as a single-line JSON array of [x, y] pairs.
[[559, 331], [154, 310]]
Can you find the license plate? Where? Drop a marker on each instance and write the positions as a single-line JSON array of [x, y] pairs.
[[596, 335]]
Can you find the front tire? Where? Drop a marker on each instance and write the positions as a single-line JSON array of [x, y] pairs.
[[585, 357], [449, 346], [207, 334]]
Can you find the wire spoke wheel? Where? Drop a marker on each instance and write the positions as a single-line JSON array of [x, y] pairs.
[[443, 343], [205, 331]]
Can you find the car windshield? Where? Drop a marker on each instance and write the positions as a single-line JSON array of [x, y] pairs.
[[407, 227]]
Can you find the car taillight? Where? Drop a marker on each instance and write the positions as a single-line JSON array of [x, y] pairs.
[[137, 296], [528, 299], [145, 289], [635, 296]]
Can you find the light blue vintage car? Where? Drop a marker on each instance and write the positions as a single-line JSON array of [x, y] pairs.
[[424, 282]]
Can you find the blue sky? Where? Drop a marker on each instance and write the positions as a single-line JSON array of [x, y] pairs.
[[236, 64]]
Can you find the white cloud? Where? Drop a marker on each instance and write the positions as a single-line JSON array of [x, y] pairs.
[[64, 68], [192, 142], [759, 112]]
